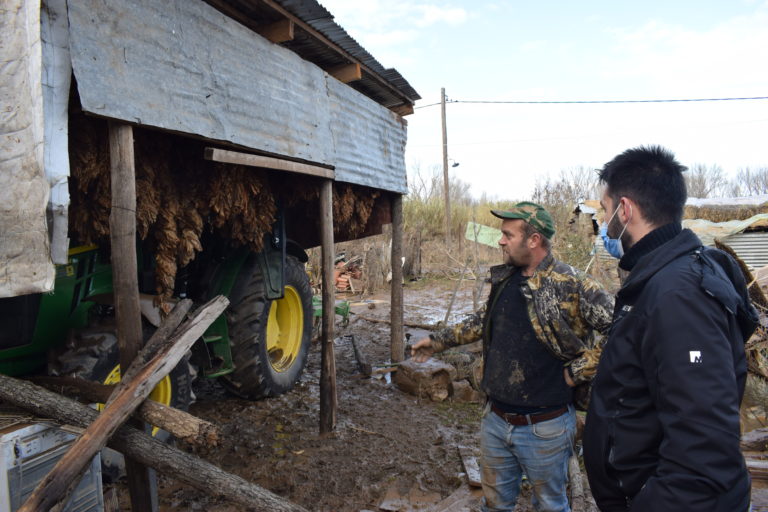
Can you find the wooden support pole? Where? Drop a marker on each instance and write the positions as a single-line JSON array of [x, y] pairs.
[[146, 449], [397, 347], [328, 363], [142, 482], [127, 397]]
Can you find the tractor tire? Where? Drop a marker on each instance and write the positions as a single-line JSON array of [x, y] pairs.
[[95, 356], [270, 338]]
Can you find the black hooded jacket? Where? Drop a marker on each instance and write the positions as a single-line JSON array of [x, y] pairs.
[[662, 431]]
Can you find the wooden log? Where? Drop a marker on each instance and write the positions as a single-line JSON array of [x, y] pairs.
[[471, 467], [756, 440], [122, 233], [397, 342], [127, 396], [362, 364], [328, 400], [145, 449], [180, 424]]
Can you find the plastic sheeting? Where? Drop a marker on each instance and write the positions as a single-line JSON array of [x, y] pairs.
[[25, 265]]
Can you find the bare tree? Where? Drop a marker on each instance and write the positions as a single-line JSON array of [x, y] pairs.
[[706, 181], [571, 186], [752, 182]]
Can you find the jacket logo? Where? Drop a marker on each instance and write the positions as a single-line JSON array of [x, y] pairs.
[[627, 308], [695, 356]]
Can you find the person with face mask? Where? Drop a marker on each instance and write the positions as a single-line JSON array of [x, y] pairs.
[[542, 332], [662, 430]]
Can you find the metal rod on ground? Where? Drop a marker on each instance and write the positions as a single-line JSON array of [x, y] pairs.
[[142, 481], [397, 344], [328, 363], [445, 173]]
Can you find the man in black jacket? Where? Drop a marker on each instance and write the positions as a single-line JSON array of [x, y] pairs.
[[662, 431]]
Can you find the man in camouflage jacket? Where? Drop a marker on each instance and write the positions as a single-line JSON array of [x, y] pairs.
[[542, 330]]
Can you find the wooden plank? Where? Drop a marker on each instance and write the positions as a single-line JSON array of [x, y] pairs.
[[397, 341], [347, 73], [471, 467], [278, 32], [405, 109], [267, 162], [144, 448], [122, 229], [128, 395], [328, 400]]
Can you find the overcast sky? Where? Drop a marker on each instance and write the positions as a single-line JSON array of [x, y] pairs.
[[561, 50]]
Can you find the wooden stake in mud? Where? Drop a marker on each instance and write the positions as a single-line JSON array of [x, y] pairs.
[[328, 363], [142, 482], [396, 286]]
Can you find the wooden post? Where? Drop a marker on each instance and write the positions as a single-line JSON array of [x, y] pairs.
[[446, 188], [142, 482], [396, 286], [328, 362]]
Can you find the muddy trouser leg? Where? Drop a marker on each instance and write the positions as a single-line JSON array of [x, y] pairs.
[[543, 450], [501, 473]]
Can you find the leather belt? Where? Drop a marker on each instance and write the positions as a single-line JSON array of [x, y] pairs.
[[528, 419]]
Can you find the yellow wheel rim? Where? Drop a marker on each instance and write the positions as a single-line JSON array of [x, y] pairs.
[[161, 394], [285, 329]]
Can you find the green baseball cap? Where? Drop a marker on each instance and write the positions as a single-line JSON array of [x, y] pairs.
[[532, 213]]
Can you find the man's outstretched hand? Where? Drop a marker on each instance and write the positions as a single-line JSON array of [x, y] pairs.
[[422, 350]]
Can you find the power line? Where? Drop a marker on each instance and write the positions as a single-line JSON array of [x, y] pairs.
[[588, 102]]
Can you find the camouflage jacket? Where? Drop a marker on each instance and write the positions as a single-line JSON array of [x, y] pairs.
[[570, 314]]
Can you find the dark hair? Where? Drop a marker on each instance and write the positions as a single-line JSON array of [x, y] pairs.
[[652, 178], [529, 231]]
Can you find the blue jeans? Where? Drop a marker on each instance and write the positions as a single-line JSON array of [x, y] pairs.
[[540, 451]]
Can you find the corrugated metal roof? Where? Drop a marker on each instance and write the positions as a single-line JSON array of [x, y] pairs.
[[751, 247], [398, 91], [199, 72]]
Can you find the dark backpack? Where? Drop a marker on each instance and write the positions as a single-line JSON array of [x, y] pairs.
[[722, 279]]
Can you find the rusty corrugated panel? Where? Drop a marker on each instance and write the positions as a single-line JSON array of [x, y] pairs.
[[370, 140], [182, 65], [751, 247]]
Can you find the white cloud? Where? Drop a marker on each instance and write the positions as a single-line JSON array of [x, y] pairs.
[[389, 22]]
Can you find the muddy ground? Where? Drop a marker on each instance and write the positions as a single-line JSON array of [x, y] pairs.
[[390, 451]]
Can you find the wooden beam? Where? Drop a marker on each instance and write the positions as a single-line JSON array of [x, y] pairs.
[[127, 397], [142, 447], [278, 32], [397, 343], [405, 109], [347, 73], [266, 162], [330, 44], [122, 228], [328, 362]]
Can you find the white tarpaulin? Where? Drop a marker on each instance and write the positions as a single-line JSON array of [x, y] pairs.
[[25, 264]]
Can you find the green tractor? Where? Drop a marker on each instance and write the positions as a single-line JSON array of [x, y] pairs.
[[257, 348]]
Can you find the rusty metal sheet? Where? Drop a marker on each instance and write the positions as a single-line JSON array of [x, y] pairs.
[[182, 65], [369, 140]]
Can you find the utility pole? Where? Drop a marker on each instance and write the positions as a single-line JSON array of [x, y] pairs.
[[445, 174]]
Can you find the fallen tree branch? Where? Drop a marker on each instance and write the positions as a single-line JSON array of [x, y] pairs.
[[138, 383], [145, 449], [180, 424]]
